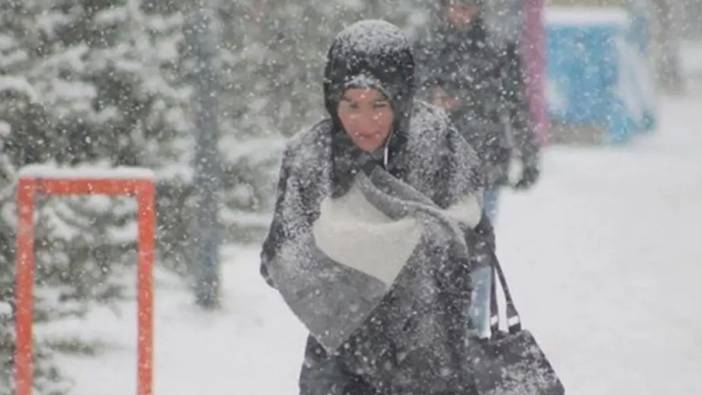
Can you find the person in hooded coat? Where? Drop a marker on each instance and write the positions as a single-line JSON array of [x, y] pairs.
[[481, 85], [376, 229]]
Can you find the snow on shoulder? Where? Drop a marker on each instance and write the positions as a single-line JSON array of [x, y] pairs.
[[372, 36], [84, 172]]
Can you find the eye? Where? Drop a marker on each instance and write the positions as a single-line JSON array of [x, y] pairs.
[[381, 105]]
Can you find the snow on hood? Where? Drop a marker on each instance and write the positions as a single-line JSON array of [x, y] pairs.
[[374, 54]]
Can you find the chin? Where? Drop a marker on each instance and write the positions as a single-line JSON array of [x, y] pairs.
[[368, 148]]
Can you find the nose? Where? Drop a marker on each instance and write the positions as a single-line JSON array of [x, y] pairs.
[[367, 123]]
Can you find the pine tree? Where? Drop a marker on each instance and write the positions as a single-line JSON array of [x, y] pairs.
[[89, 83]]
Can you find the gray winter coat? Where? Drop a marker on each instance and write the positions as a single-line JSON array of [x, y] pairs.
[[403, 330]]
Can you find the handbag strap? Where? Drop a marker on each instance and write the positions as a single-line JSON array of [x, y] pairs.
[[514, 321]]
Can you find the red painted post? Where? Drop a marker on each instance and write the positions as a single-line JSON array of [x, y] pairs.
[[24, 287], [147, 228], [535, 54], [142, 188]]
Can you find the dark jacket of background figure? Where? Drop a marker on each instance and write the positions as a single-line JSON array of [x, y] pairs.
[[493, 114]]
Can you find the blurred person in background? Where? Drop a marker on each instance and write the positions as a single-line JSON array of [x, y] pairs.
[[482, 88]]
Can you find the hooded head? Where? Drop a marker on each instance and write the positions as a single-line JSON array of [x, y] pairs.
[[371, 54], [375, 55]]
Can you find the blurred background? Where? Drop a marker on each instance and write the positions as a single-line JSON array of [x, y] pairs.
[[205, 93]]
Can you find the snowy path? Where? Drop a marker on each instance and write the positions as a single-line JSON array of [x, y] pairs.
[[610, 282], [604, 257]]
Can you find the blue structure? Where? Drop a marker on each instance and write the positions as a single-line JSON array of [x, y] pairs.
[[597, 71]]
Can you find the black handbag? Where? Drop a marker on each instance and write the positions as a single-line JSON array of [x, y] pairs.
[[511, 362]]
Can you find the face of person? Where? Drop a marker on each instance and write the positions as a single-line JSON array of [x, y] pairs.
[[440, 98], [461, 15], [367, 117]]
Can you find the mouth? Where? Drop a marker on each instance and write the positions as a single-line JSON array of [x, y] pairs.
[[367, 142], [367, 136]]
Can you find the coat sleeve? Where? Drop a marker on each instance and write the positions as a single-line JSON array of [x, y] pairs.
[[516, 105], [286, 218], [463, 170], [464, 178]]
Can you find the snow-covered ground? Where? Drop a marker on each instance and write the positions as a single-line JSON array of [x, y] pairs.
[[604, 257]]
